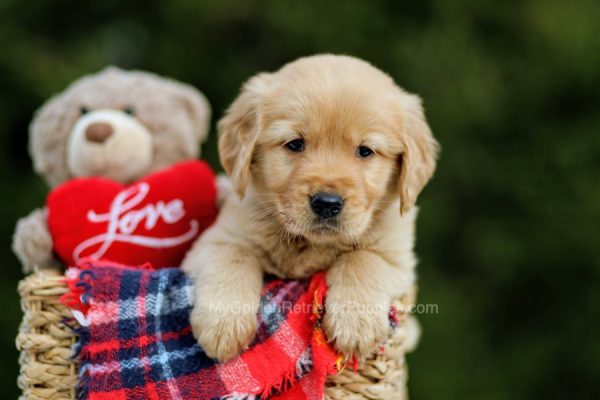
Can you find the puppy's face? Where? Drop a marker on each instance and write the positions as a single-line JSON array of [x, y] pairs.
[[325, 144], [326, 159]]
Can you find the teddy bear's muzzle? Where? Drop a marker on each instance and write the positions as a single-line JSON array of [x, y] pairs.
[[111, 144]]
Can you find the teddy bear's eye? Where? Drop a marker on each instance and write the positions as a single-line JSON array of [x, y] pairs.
[[83, 110], [129, 110]]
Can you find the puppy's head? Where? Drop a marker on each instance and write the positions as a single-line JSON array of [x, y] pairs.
[[327, 142]]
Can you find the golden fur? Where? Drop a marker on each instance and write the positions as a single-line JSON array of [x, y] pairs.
[[336, 104]]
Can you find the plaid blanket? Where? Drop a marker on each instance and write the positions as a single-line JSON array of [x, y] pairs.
[[136, 342]]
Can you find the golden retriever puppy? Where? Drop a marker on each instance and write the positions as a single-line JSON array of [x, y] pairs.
[[326, 157]]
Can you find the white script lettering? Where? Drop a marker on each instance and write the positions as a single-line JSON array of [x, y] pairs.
[[123, 220]]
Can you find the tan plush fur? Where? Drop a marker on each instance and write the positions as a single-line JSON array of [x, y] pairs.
[[154, 122], [336, 104]]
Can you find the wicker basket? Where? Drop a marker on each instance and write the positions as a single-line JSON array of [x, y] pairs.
[[47, 368], [49, 372]]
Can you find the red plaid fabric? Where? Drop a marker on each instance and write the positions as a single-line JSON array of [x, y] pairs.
[[138, 343]]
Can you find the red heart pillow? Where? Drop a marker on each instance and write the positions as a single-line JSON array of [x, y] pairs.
[[155, 219]]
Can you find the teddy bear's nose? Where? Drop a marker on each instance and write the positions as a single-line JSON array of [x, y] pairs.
[[98, 132]]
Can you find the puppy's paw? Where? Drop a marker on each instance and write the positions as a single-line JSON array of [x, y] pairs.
[[358, 329], [223, 333]]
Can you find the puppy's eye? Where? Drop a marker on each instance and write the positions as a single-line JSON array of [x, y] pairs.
[[364, 152], [83, 110], [296, 145], [129, 110]]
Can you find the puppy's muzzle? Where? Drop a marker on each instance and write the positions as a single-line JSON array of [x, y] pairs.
[[326, 205]]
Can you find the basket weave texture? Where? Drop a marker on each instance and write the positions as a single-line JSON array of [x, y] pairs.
[[49, 372]]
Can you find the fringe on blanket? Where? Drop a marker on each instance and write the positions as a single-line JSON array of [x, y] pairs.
[[80, 284]]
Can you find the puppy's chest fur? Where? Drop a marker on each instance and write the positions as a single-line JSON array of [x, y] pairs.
[[297, 258]]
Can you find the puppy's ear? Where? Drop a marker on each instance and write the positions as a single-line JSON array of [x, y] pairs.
[[238, 131], [420, 152]]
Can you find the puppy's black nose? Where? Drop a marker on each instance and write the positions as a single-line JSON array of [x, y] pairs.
[[326, 205]]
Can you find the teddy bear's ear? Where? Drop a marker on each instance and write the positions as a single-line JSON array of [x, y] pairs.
[[111, 69], [198, 108], [48, 134]]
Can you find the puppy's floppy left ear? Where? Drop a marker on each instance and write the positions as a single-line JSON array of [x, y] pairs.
[[238, 131], [419, 157]]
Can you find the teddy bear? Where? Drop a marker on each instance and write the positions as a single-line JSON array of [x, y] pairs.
[[117, 125]]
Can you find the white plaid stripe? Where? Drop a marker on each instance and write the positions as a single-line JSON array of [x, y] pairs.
[[121, 310], [157, 302], [133, 363]]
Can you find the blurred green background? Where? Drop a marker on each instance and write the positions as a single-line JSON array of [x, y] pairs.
[[509, 230]]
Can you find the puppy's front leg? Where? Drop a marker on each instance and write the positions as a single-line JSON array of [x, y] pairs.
[[361, 288], [228, 282]]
